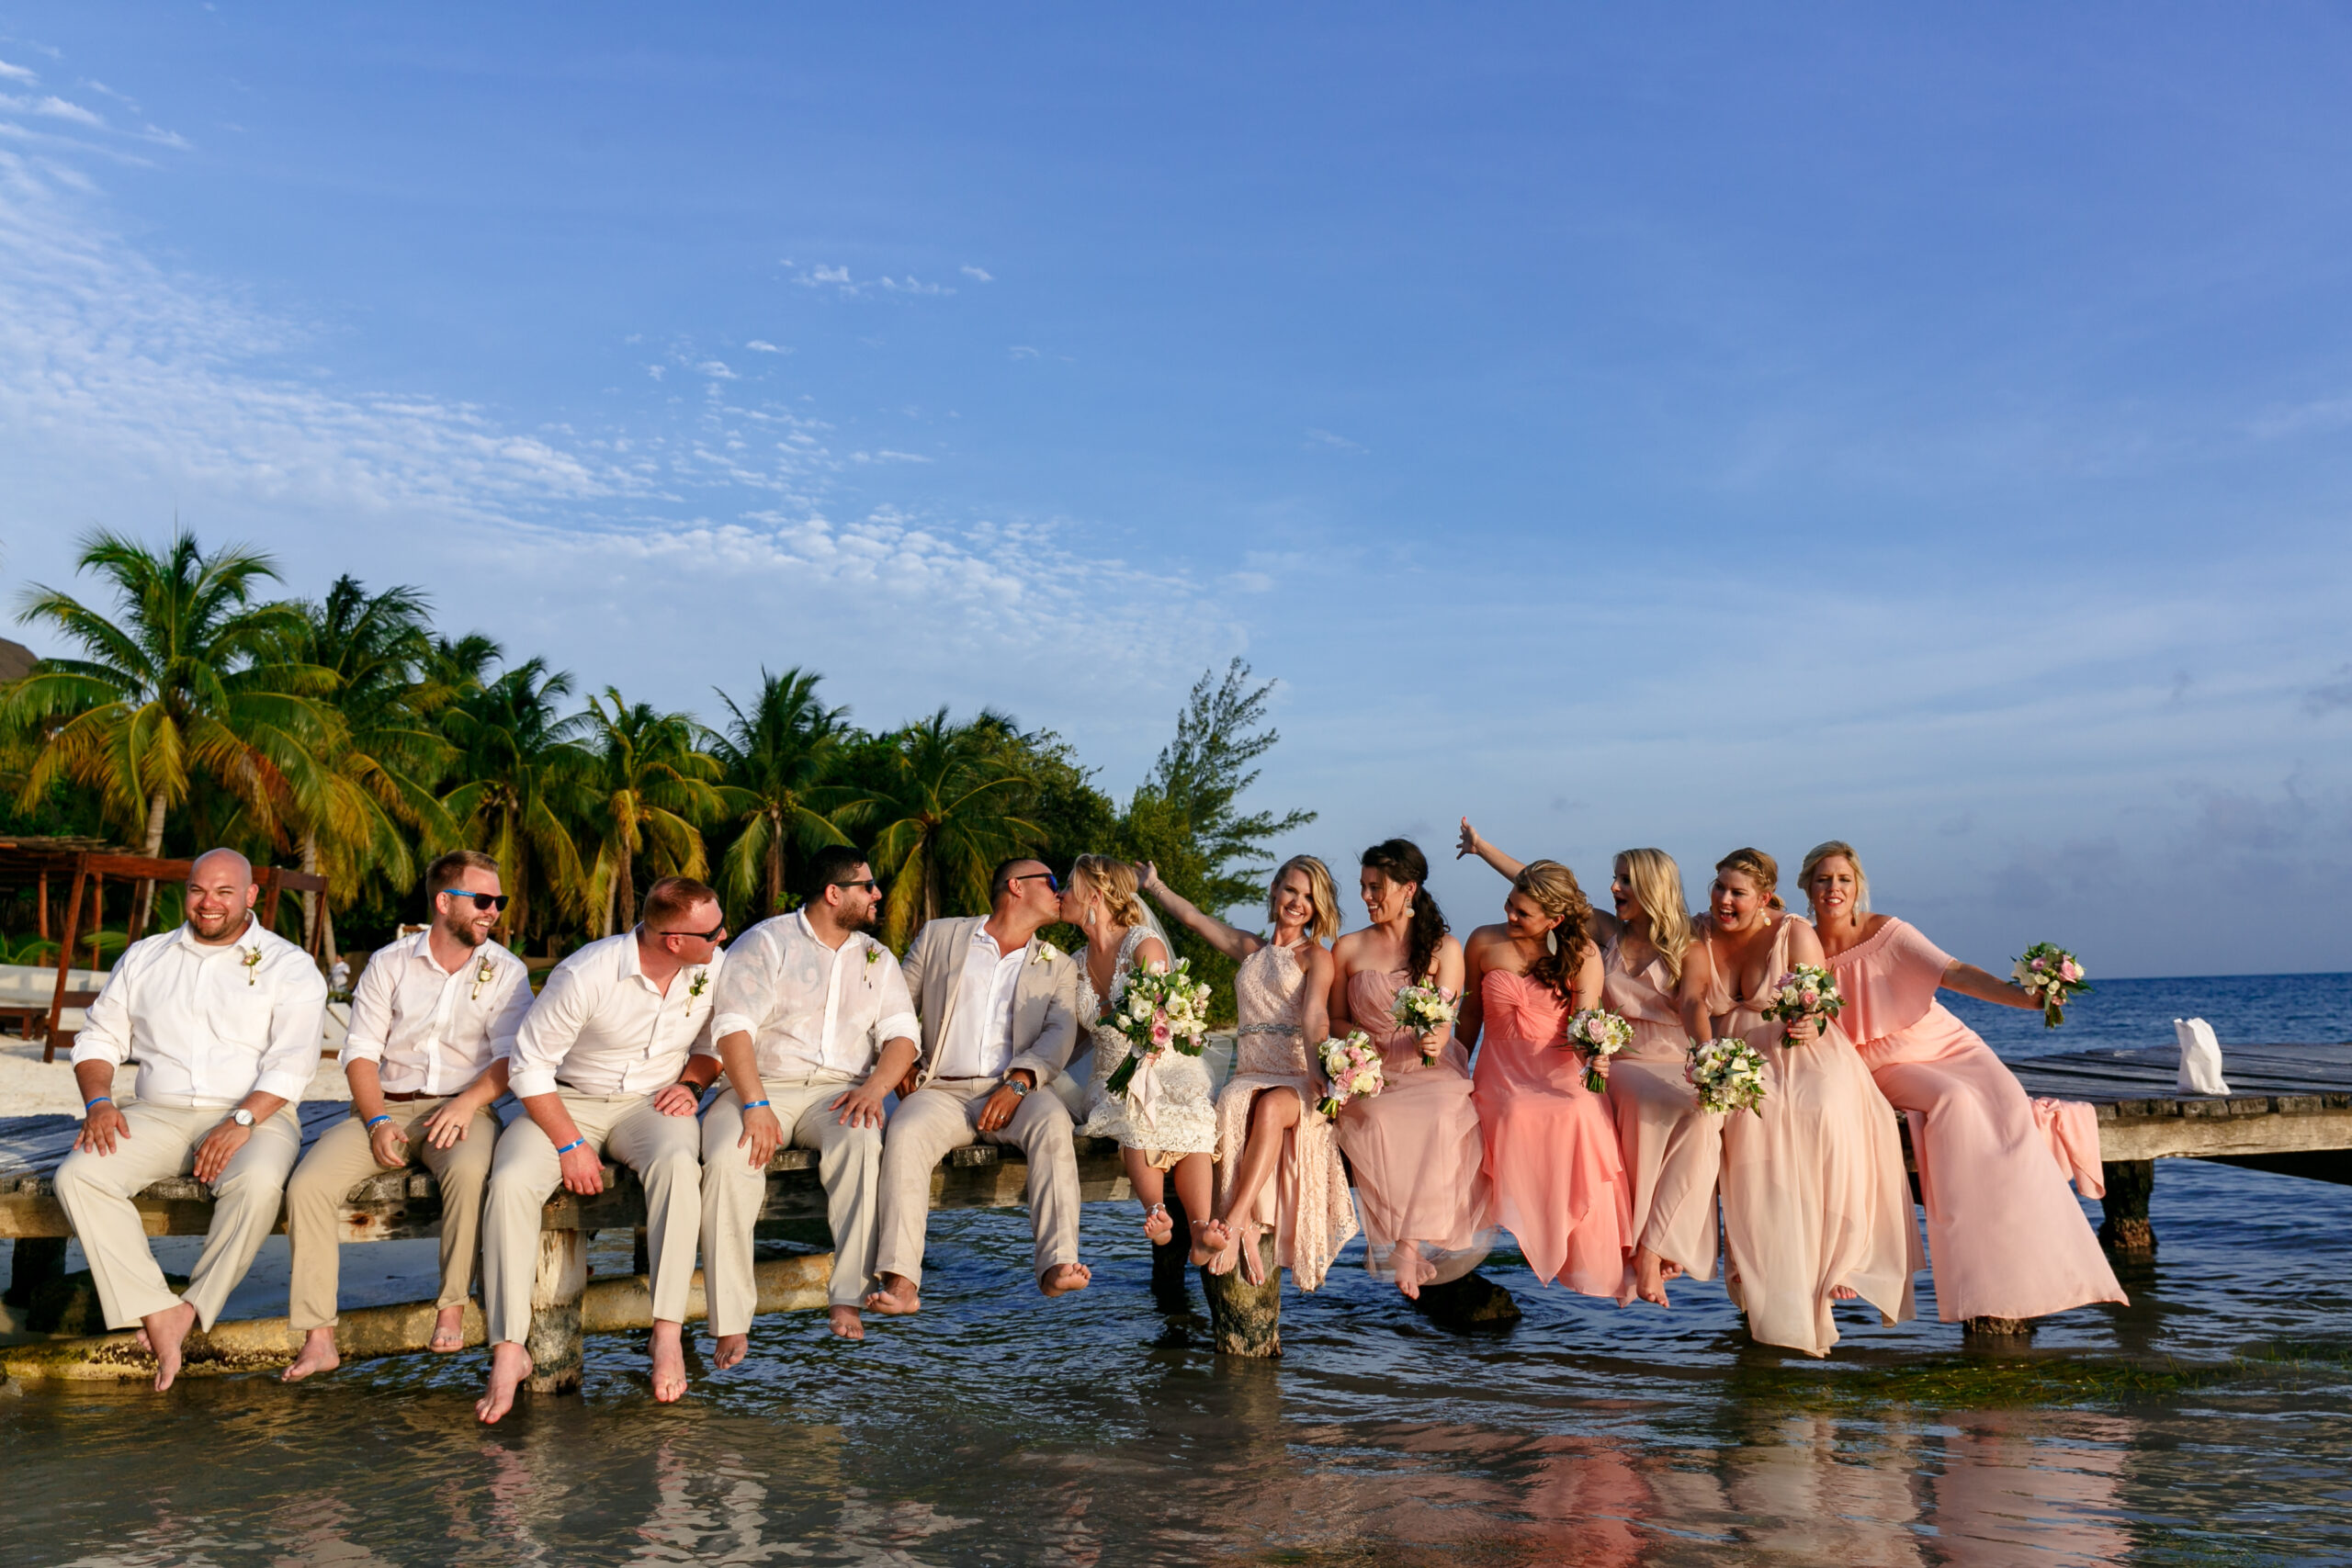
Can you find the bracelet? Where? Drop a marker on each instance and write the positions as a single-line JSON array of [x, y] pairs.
[[756, 1105], [575, 1143], [102, 1100], [379, 1116]]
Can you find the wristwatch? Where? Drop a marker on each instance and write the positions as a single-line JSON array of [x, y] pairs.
[[1016, 1085], [241, 1117]]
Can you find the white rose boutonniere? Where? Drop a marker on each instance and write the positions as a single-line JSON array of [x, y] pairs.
[[1047, 952], [251, 958], [484, 973]]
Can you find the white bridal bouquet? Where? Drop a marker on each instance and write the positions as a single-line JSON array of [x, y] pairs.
[[1354, 1066], [1728, 1074], [1806, 991], [1600, 1035], [2053, 976], [1424, 1009], [1162, 1008]]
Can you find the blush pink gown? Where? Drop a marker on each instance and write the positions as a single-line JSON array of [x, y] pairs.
[[1552, 1157], [1415, 1149], [2005, 1237], [1659, 1124], [1815, 1195]]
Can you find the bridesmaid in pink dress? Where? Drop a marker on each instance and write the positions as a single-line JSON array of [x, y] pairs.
[[1817, 1207], [1552, 1156], [1415, 1147], [2005, 1235]]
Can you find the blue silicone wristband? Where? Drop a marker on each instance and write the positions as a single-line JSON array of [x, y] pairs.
[[756, 1105], [379, 1116], [102, 1100], [575, 1143]]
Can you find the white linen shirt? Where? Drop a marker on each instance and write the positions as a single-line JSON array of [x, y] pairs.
[[810, 1008], [979, 1037], [210, 1025], [430, 1030], [603, 1028]]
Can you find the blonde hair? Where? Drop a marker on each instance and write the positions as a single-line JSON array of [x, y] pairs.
[[1657, 883], [1554, 888], [1115, 881], [1760, 867], [1321, 892], [1829, 850]]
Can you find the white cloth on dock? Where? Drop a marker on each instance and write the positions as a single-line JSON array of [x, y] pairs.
[[2201, 1058]]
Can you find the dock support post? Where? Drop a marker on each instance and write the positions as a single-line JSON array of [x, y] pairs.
[[1170, 1258], [1472, 1301], [36, 1259], [2011, 1330], [1247, 1319], [2126, 1232], [561, 1280]]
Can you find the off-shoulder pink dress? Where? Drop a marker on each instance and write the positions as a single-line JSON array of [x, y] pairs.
[[2005, 1237], [1814, 1191], [1552, 1157], [1418, 1161], [1659, 1124], [1305, 1202]]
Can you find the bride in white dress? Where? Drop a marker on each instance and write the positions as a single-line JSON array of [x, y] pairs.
[[1166, 1119]]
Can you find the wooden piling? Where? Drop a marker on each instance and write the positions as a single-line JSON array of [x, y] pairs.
[[1247, 1319], [2126, 1232], [554, 1341]]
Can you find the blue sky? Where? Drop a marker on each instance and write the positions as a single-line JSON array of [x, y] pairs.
[[1695, 429]]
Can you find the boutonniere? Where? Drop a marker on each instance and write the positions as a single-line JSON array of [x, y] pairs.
[[251, 958], [873, 957], [697, 986], [1047, 952], [484, 973]]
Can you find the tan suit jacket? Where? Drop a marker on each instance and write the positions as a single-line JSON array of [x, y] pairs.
[[1044, 1000]]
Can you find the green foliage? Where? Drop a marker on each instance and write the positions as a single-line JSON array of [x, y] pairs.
[[782, 762]]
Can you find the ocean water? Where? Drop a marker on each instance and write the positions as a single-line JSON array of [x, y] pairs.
[[2208, 1421]]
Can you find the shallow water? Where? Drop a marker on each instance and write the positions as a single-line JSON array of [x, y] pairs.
[[2205, 1423]]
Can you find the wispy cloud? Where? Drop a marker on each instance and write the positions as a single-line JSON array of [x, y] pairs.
[[1326, 439], [885, 455], [11, 72], [839, 280], [2331, 696], [758, 345], [978, 275]]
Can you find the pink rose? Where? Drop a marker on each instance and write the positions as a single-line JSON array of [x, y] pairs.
[[1159, 1034], [2070, 972]]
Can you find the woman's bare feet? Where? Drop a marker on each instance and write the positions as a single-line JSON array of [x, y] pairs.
[[1157, 1226], [844, 1322], [1413, 1270], [1649, 1276], [1253, 1267], [669, 1359], [730, 1349], [897, 1298], [1064, 1277], [317, 1355], [509, 1365], [1212, 1239], [1843, 1293], [161, 1335], [450, 1329]]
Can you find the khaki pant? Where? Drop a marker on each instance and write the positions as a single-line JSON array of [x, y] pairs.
[[944, 1114], [340, 1161], [96, 1190], [663, 1150], [849, 1163]]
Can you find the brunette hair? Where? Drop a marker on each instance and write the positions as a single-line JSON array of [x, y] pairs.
[[450, 869], [1830, 851], [1761, 868], [1554, 888], [1320, 892], [828, 865], [1115, 880], [1657, 883], [1400, 860], [670, 897]]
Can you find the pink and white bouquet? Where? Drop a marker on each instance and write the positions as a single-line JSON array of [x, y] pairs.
[[2053, 976], [1424, 1009], [1163, 1009], [1728, 1074], [1353, 1065], [1807, 991], [1600, 1035]]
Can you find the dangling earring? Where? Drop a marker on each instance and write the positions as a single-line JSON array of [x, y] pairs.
[[1551, 941]]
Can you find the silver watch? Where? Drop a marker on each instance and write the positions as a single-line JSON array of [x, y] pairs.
[[241, 1117], [1017, 1086]]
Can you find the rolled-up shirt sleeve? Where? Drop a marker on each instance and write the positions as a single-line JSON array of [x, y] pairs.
[[512, 1009], [898, 1020], [371, 1011], [546, 1034], [745, 982], [297, 1027], [106, 1028]]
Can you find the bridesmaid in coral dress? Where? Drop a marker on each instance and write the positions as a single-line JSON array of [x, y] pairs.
[[2005, 1235], [1278, 1166], [1415, 1147], [1552, 1156], [1816, 1206]]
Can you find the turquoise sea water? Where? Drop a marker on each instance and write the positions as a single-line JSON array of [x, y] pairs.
[[2206, 1422]]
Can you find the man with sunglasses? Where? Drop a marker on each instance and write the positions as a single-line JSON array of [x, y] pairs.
[[432, 1019], [613, 1058], [999, 1021], [816, 1028]]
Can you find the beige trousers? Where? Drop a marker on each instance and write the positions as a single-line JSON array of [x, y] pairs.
[[849, 1162], [96, 1190], [944, 1114], [340, 1161], [663, 1150]]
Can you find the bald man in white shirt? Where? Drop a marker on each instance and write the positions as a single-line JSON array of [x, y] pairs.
[[613, 1057], [224, 1020]]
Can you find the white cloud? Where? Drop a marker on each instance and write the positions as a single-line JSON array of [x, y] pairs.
[[58, 109], [716, 369], [1324, 438], [840, 279], [1022, 350], [887, 456], [978, 274], [758, 346], [9, 72]]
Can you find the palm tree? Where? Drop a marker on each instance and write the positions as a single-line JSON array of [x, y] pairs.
[[654, 787], [523, 784], [779, 760], [943, 806], [191, 681]]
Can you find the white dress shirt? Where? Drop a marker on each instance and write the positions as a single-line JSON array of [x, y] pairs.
[[210, 1025], [809, 1009], [433, 1031], [979, 1037], [603, 1028]]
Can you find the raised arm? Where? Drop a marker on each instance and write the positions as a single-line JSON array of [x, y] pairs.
[[1234, 944], [1470, 844]]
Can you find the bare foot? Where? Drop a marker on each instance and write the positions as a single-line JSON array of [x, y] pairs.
[[509, 1365], [448, 1330], [1253, 1267], [844, 1321], [669, 1359], [1843, 1293], [161, 1335], [317, 1355], [1413, 1270], [897, 1298], [1649, 1276], [731, 1349], [1157, 1226], [1233, 1250], [1212, 1239], [1064, 1277]]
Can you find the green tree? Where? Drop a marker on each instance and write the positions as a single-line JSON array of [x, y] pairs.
[[654, 787], [521, 784], [942, 810], [780, 760]]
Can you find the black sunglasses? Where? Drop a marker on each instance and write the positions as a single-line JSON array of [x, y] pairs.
[[492, 901], [869, 884], [1051, 881], [711, 935]]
